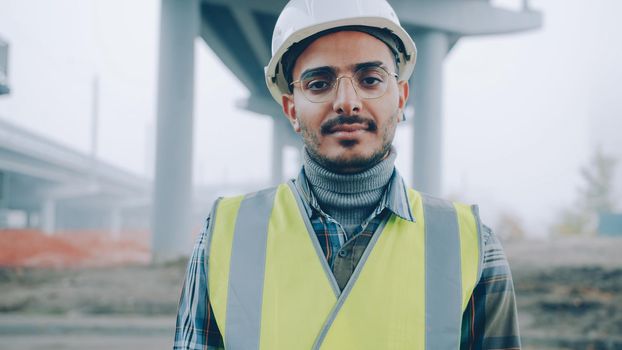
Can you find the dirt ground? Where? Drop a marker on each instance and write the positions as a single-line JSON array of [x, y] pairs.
[[569, 292], [569, 297], [123, 307]]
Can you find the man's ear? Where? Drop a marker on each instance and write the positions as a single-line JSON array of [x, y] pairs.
[[403, 90], [290, 111]]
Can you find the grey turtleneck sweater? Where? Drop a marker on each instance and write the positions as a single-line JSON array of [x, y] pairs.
[[348, 198]]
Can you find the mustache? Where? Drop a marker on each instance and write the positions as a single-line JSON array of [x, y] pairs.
[[327, 126]]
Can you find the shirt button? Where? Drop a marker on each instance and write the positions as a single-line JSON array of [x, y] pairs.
[[343, 253]]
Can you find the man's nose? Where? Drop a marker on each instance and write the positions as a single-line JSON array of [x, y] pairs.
[[347, 101]]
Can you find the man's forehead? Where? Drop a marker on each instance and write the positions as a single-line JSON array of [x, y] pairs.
[[343, 51]]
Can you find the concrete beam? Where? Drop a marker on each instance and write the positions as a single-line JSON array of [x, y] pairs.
[[252, 32], [465, 17], [213, 40], [22, 151], [72, 191], [265, 106], [265, 6]]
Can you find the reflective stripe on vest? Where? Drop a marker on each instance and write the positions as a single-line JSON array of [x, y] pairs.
[[270, 285]]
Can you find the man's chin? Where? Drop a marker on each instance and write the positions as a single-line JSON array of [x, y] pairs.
[[350, 162]]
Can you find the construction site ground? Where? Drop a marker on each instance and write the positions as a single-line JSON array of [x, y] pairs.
[[91, 292]]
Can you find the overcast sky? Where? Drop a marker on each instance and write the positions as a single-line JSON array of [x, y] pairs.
[[522, 113]]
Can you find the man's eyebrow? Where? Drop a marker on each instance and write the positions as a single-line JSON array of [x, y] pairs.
[[317, 71], [362, 65], [330, 69]]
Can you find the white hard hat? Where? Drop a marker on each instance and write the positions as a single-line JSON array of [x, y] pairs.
[[301, 19]]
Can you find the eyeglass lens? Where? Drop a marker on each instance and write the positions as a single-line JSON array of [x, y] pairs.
[[368, 82]]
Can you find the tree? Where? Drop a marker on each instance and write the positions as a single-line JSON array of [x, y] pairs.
[[595, 196], [598, 176]]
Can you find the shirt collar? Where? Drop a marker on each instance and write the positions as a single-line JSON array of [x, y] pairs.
[[395, 197]]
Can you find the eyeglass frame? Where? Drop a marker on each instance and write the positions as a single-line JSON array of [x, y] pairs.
[[338, 78]]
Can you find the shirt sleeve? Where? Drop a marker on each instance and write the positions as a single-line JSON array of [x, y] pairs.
[[196, 326], [490, 320]]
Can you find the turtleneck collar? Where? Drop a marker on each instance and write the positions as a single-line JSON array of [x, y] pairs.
[[348, 198], [373, 178]]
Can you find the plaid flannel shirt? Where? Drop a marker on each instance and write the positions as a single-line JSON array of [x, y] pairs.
[[489, 321]]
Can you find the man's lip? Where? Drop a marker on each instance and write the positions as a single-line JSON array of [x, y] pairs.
[[348, 127]]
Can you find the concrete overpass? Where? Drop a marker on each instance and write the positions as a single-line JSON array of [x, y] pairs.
[[57, 187], [240, 32], [49, 186]]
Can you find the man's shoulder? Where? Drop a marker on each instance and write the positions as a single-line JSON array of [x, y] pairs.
[[264, 191], [266, 194], [440, 200]]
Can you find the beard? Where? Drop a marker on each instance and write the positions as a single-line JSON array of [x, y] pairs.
[[343, 164], [349, 165]]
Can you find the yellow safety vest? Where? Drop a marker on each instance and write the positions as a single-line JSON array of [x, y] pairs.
[[271, 288]]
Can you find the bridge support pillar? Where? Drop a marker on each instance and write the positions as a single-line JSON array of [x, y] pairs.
[[426, 90], [33, 219], [171, 228], [116, 223], [277, 151], [48, 216]]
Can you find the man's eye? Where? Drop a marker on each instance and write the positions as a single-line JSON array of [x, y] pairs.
[[370, 81], [317, 85]]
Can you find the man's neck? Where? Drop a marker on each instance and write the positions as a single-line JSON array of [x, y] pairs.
[[349, 198]]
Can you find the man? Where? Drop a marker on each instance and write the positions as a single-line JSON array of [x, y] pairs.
[[345, 256]]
